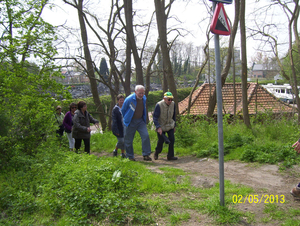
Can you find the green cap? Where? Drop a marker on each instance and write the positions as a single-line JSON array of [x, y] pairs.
[[168, 95]]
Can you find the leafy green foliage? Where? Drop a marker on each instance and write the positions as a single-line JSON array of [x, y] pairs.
[[71, 189], [28, 92], [184, 137], [79, 188], [270, 153], [230, 143]]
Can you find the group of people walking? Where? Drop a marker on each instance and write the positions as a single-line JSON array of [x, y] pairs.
[[76, 124], [129, 115]]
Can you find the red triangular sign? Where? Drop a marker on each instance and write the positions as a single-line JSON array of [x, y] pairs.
[[220, 24]]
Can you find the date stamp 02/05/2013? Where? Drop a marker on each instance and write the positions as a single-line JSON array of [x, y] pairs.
[[263, 198]]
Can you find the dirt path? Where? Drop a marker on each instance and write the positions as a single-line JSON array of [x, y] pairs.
[[264, 179]]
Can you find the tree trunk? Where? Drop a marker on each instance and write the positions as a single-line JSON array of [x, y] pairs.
[[244, 64], [293, 20], [89, 65], [161, 19], [131, 39], [233, 78], [128, 67]]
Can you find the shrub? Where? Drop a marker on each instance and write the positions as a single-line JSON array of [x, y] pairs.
[[74, 189], [185, 136], [249, 155]]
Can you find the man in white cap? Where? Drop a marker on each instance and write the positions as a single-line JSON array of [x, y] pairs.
[[164, 118]]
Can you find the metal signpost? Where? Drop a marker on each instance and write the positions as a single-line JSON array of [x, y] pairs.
[[222, 28]]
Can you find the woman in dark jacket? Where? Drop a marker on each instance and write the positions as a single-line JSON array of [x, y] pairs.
[[81, 126], [117, 126], [68, 124]]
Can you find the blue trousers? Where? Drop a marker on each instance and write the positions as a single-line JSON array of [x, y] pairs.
[[140, 126]]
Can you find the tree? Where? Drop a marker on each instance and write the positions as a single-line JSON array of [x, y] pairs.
[[27, 91], [132, 42], [89, 64], [244, 63], [104, 69], [161, 18], [265, 31]]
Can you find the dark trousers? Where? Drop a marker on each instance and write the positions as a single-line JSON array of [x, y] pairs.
[[161, 140], [86, 144]]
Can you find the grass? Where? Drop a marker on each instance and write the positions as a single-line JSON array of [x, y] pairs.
[[60, 187]]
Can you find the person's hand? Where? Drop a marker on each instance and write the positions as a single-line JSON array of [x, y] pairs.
[[89, 129], [174, 129], [159, 130], [296, 146], [97, 125]]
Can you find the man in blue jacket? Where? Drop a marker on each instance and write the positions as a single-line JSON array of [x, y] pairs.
[[134, 118]]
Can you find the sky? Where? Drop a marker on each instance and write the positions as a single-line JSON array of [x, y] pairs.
[[194, 17]]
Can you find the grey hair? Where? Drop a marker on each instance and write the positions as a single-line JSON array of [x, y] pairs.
[[137, 87]]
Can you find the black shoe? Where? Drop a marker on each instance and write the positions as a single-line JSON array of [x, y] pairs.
[[133, 159], [166, 139], [155, 155], [172, 158], [147, 158], [115, 153], [123, 155]]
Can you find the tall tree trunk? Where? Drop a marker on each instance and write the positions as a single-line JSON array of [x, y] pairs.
[[89, 65], [293, 20], [244, 64], [128, 67], [233, 78], [161, 19], [131, 39], [213, 98]]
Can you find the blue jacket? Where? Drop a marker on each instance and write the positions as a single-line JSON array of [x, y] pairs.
[[117, 122], [129, 106]]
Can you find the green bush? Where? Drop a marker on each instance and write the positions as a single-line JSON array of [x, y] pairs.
[[270, 153], [231, 142], [74, 188], [249, 155], [185, 136]]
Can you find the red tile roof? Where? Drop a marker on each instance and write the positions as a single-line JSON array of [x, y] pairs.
[[259, 99]]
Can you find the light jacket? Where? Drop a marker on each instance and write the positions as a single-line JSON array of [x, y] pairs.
[[59, 118], [81, 122], [164, 116], [129, 106]]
